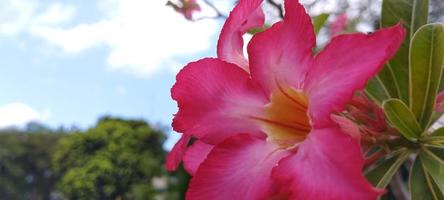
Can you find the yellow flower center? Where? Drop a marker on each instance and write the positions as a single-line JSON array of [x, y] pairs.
[[286, 122]]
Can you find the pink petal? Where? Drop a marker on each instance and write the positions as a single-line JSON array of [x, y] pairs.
[[216, 100], [176, 154], [238, 168], [246, 15], [282, 54], [344, 66], [195, 155], [327, 166]]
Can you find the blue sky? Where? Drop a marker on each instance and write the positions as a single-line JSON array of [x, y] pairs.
[[67, 63]]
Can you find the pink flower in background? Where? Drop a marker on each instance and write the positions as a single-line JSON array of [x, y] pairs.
[[262, 126], [439, 105], [365, 120], [338, 26], [186, 7], [367, 116]]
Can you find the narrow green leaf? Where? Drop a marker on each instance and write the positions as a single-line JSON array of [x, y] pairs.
[[402, 118], [319, 21], [438, 151], [434, 140], [426, 63], [435, 166], [253, 31], [382, 174], [413, 14], [420, 183], [387, 80], [438, 132], [376, 90], [435, 137]]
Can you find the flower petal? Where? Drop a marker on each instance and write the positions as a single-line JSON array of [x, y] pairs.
[[216, 100], [176, 154], [246, 15], [327, 166], [195, 155], [238, 168], [281, 55], [344, 66]]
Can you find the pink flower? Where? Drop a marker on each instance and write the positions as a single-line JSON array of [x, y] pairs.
[[367, 116], [339, 24], [186, 7], [365, 120], [262, 126], [439, 105]]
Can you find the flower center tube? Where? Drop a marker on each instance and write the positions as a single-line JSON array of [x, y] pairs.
[[286, 121]]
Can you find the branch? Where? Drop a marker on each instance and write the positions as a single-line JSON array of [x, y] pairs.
[[219, 14], [398, 188], [278, 7]]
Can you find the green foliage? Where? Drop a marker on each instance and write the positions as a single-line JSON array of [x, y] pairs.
[[25, 167], [383, 172], [426, 62], [402, 118], [110, 161], [393, 80], [434, 165], [407, 88], [421, 184], [319, 21]]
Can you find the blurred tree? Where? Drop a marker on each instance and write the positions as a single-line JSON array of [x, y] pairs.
[[25, 164], [116, 159]]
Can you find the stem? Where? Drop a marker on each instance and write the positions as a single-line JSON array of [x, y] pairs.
[[398, 187], [219, 14], [278, 7]]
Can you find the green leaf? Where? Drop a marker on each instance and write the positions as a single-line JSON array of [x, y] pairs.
[[319, 21], [438, 150], [376, 90], [438, 132], [413, 14], [435, 166], [435, 137], [426, 63], [253, 31], [382, 174], [402, 118], [421, 184]]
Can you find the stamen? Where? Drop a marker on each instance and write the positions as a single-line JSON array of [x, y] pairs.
[[301, 127], [286, 121]]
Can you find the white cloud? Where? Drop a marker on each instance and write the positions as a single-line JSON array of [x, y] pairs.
[[19, 16], [56, 14], [142, 34], [19, 114]]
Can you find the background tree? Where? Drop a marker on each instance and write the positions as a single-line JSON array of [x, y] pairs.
[[116, 159], [25, 162]]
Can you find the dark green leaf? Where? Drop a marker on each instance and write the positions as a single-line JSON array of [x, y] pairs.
[[426, 61], [376, 90], [435, 166], [422, 187], [413, 14], [402, 118], [382, 174]]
